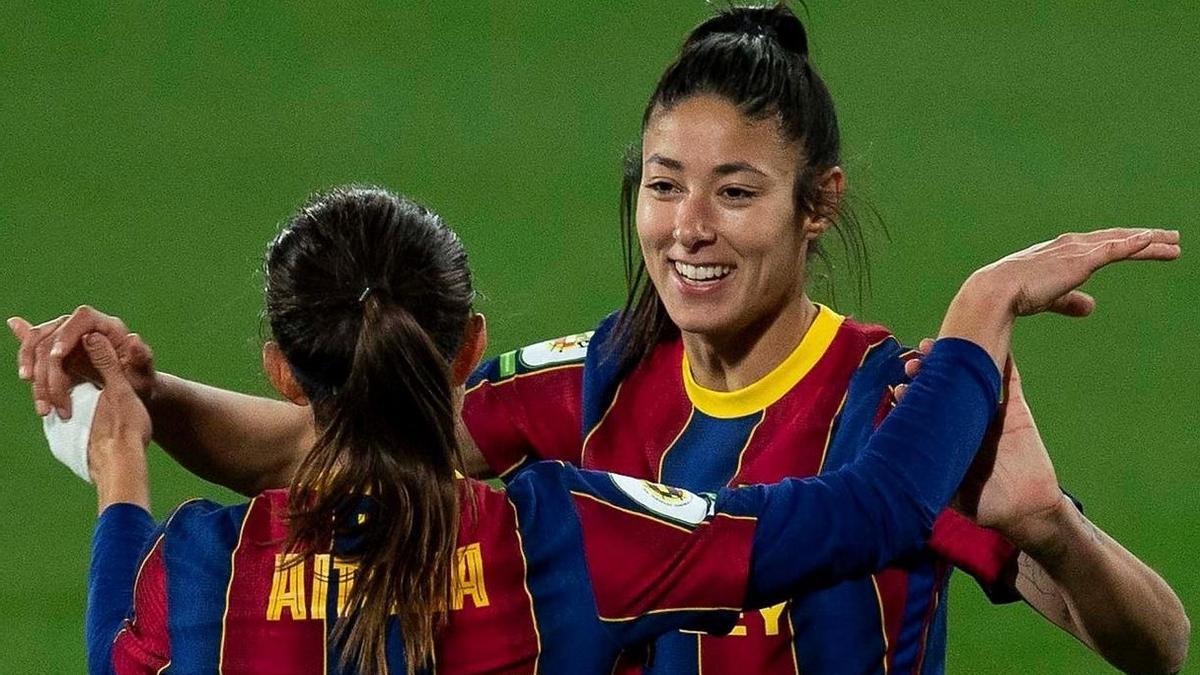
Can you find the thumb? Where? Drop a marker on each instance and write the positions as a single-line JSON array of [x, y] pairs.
[[104, 358], [1076, 303]]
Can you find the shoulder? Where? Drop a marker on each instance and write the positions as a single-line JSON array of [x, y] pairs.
[[567, 351], [867, 335], [200, 527], [880, 348]]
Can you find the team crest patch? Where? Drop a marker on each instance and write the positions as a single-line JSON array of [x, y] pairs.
[[566, 349], [672, 503]]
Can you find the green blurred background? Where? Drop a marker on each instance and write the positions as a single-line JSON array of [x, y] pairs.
[[149, 151]]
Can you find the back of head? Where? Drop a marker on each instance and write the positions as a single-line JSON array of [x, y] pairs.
[[368, 295]]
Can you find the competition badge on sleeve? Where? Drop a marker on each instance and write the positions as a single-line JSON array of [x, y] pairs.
[[671, 503]]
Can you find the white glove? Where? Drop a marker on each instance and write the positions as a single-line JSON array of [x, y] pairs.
[[69, 438]]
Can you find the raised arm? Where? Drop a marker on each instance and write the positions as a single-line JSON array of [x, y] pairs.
[[805, 534], [119, 575], [245, 443], [1069, 570]]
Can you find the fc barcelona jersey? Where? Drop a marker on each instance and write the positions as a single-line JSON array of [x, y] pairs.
[[561, 573], [812, 414]]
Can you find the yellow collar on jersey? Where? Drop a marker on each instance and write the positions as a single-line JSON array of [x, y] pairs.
[[757, 396]]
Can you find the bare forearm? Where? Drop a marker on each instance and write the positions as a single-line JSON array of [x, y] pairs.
[[245, 443], [118, 468], [1087, 583]]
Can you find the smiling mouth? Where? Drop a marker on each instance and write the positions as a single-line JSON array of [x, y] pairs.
[[700, 275]]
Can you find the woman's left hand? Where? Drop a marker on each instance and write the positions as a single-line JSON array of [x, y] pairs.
[[1012, 486], [120, 432]]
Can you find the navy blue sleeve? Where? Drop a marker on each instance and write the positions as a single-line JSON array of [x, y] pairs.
[[815, 532], [657, 558], [123, 533]]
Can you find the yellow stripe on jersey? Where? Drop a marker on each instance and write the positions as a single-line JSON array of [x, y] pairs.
[[773, 386]]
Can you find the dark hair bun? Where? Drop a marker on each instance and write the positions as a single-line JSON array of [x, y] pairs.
[[777, 22]]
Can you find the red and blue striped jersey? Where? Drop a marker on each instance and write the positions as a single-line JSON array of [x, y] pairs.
[[560, 573], [814, 413]]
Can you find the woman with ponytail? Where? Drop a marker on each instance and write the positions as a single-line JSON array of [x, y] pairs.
[[380, 557]]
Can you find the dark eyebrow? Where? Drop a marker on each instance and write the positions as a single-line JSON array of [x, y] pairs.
[[737, 167], [673, 164]]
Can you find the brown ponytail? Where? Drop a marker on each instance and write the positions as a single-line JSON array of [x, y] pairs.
[[375, 361]]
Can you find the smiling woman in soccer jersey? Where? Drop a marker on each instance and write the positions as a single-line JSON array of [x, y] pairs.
[[721, 370], [379, 559]]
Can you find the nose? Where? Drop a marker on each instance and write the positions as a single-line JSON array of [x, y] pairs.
[[693, 225]]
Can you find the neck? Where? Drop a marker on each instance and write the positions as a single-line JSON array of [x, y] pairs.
[[729, 363]]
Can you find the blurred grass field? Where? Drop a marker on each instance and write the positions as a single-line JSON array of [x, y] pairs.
[[150, 149]]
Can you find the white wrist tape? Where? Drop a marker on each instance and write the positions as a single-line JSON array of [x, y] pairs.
[[69, 438]]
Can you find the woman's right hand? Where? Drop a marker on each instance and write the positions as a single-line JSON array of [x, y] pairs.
[[1045, 277]]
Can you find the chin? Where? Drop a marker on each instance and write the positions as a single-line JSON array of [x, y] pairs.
[[700, 320]]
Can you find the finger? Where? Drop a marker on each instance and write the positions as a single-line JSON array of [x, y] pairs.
[[86, 320], [1157, 235], [135, 351], [1101, 253], [899, 391], [20, 329], [66, 338], [41, 358], [57, 383], [925, 346], [137, 361], [104, 359], [1075, 304], [1158, 251], [911, 367], [26, 355]]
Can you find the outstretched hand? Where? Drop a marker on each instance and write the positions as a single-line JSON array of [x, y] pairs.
[[1045, 277]]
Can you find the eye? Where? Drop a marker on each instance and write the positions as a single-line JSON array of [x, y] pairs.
[[661, 187], [737, 194]]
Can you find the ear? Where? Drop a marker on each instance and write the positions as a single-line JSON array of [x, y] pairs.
[[471, 352], [280, 374], [831, 189]]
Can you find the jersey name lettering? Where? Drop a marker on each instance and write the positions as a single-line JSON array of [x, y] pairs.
[[290, 595]]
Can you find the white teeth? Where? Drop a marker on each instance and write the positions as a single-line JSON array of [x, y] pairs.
[[701, 272]]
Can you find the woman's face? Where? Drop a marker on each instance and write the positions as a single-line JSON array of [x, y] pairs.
[[716, 217]]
